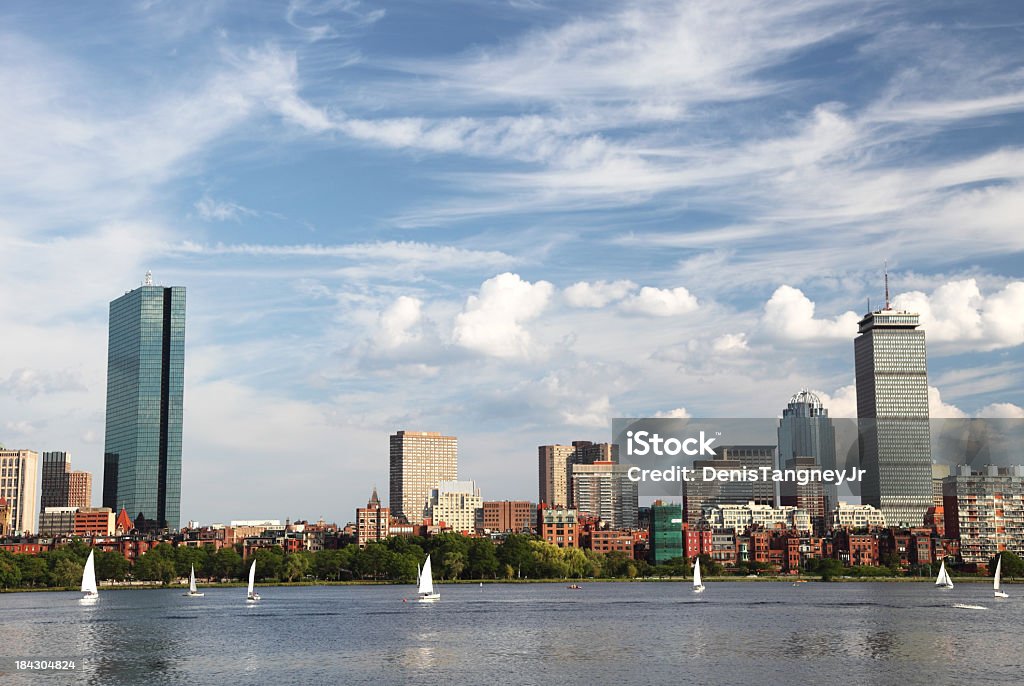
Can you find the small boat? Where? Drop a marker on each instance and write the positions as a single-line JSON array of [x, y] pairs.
[[965, 606], [426, 584], [252, 596], [996, 590], [192, 592], [574, 587], [943, 580], [698, 587], [89, 591]]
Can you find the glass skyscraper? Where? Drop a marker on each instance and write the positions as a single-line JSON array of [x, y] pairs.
[[806, 431], [145, 387], [892, 415]]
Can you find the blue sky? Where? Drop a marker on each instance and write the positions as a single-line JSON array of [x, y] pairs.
[[508, 221]]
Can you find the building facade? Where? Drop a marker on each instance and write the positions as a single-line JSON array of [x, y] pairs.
[[555, 464], [742, 517], [420, 460], [372, 522], [604, 490], [846, 516], [700, 494], [558, 526], [811, 497], [145, 391], [666, 537], [892, 414], [985, 510], [509, 516], [61, 487], [458, 505], [19, 486]]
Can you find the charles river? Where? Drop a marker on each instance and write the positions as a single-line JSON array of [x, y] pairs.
[[615, 633]]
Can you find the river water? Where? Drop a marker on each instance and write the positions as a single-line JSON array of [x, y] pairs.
[[615, 633]]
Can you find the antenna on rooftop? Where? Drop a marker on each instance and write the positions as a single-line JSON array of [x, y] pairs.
[[149, 279], [886, 284]]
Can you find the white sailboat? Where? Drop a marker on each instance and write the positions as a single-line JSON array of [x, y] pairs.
[[698, 587], [89, 590], [943, 580], [996, 590], [252, 596], [426, 584], [192, 592]]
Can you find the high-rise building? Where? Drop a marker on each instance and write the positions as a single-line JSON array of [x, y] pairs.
[[372, 522], [700, 494], [666, 539], [806, 430], [604, 490], [145, 389], [555, 464], [420, 461], [457, 505], [892, 413], [19, 485], [985, 510], [61, 487], [809, 497]]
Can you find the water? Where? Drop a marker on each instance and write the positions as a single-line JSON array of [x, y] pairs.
[[736, 632]]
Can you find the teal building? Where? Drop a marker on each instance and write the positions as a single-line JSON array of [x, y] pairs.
[[666, 539], [145, 389]]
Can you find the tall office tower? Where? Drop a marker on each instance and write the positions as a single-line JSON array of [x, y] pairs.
[[19, 486], [555, 464], [53, 490], [145, 388], [420, 461], [603, 489], [892, 414], [700, 494], [806, 431], [61, 487]]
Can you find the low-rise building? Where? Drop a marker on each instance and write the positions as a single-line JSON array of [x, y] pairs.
[[847, 516], [558, 526]]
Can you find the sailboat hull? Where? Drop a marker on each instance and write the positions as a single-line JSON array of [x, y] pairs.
[[1000, 594], [698, 589], [190, 594], [429, 598]]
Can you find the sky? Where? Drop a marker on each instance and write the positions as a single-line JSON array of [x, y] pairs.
[[505, 221]]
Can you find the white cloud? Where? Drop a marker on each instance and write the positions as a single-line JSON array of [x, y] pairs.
[[597, 294], [221, 210], [660, 302], [730, 343], [26, 383], [1002, 411], [958, 312], [937, 409], [398, 324], [841, 403], [789, 315], [677, 413], [492, 321]]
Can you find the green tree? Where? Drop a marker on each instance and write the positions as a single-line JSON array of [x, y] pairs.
[[1013, 565], [517, 553], [10, 573], [452, 564], [111, 565], [65, 572], [226, 563], [372, 561], [269, 563], [296, 565], [33, 569], [482, 559], [155, 565]]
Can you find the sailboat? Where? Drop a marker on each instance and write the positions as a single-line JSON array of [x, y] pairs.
[[192, 592], [89, 591], [253, 596], [943, 580], [698, 587], [426, 584], [996, 591]]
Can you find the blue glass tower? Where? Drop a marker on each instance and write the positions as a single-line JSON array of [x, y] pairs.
[[145, 388]]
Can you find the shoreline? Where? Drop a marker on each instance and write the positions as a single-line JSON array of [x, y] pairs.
[[476, 582]]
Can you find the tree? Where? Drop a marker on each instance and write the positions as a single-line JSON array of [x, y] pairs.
[[483, 561], [10, 573], [155, 565], [371, 562], [1013, 565], [296, 565], [226, 563], [453, 564], [111, 565], [517, 554], [827, 567], [65, 572], [33, 569], [269, 563]]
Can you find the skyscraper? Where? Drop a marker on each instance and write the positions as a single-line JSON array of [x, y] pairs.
[[555, 463], [892, 414], [699, 494], [807, 440], [603, 489], [420, 461], [61, 487], [19, 486], [145, 388]]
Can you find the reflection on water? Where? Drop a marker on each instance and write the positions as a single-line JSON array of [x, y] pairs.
[[843, 633]]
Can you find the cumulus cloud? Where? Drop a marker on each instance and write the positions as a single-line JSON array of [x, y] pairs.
[[398, 324], [1002, 411], [26, 383], [730, 343], [677, 413], [492, 321], [841, 403], [958, 312], [660, 302], [789, 315], [597, 293], [938, 409]]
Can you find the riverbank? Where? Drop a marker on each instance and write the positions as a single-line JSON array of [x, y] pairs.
[[156, 586]]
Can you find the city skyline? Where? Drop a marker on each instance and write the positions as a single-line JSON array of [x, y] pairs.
[[508, 223]]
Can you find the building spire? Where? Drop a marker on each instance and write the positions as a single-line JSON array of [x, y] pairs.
[[886, 269], [149, 278]]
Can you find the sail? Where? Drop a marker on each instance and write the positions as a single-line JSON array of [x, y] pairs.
[[696, 574], [426, 579], [252, 576], [999, 573], [192, 580], [943, 578], [89, 575]]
